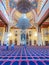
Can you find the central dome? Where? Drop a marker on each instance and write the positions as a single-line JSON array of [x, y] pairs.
[[24, 6]]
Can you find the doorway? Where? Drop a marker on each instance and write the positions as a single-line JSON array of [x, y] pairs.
[[23, 39]]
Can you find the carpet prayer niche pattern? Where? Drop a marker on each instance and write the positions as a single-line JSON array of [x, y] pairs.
[[24, 55]]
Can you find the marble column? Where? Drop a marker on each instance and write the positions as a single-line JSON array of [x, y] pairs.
[[48, 34], [6, 35], [39, 37]]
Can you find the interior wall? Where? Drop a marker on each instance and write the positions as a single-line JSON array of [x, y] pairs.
[[2, 31], [45, 35], [16, 35]]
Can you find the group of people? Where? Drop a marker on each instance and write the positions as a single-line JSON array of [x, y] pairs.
[[7, 45], [12, 46]]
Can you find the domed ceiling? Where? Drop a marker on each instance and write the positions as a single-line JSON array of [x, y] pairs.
[[15, 9], [23, 6]]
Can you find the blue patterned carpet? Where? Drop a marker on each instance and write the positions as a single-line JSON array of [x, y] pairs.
[[24, 55]]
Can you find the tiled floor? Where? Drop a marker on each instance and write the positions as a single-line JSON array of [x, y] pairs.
[[24, 55]]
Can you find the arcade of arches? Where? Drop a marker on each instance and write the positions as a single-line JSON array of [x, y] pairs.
[[33, 36]]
